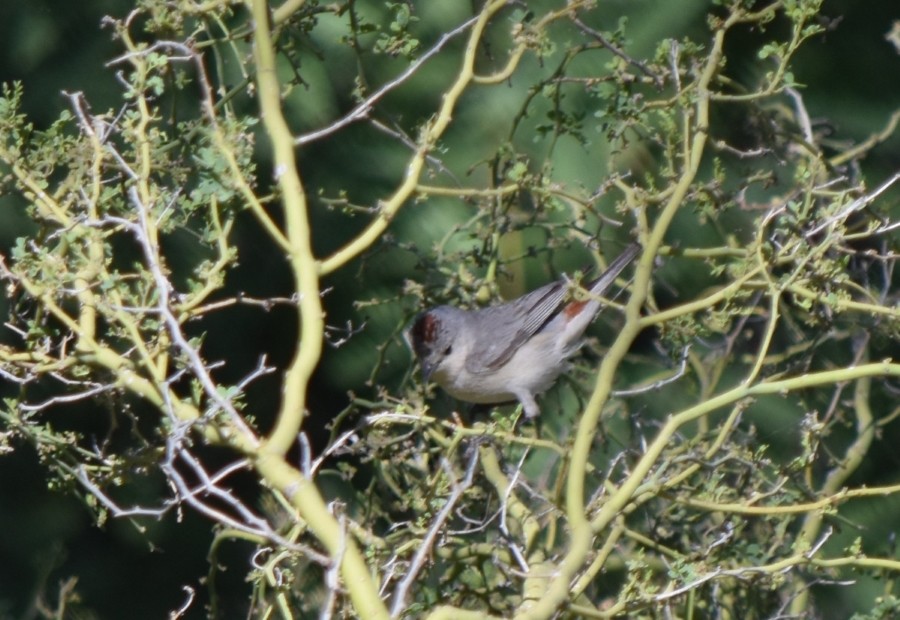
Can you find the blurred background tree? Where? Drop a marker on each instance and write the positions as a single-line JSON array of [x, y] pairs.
[[189, 188]]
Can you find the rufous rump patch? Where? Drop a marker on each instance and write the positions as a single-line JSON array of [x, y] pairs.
[[574, 308]]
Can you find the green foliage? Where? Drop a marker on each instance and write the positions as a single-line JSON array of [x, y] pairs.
[[700, 465]]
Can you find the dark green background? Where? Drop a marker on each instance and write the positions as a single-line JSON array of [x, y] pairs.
[[853, 79]]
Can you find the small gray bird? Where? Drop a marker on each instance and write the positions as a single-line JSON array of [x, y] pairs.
[[514, 350]]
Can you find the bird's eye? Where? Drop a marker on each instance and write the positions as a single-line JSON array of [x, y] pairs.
[[448, 349]]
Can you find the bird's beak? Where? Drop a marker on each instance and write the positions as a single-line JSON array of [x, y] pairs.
[[427, 369]]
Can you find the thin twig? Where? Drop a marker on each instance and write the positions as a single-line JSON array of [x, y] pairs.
[[362, 110], [427, 544]]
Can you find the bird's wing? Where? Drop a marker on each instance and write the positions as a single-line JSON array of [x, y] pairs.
[[510, 325]]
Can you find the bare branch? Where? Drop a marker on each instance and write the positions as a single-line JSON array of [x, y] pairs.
[[362, 110]]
